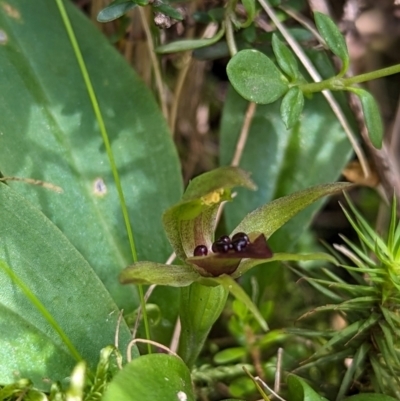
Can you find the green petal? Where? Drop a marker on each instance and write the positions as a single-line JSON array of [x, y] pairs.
[[191, 222], [158, 273]]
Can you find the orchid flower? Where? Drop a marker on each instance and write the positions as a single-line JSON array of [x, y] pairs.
[[209, 276]]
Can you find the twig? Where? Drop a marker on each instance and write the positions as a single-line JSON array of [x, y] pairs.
[[243, 134]]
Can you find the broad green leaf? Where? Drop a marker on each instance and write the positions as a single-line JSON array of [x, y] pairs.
[[149, 378], [270, 217], [292, 106], [299, 390], [250, 7], [159, 6], [255, 77], [285, 58], [333, 38], [370, 397], [372, 116], [115, 9], [51, 300], [49, 132], [200, 308], [230, 355], [190, 44], [157, 273]]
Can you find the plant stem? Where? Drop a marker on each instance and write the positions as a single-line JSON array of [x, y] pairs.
[[104, 134], [343, 83], [230, 37], [154, 61]]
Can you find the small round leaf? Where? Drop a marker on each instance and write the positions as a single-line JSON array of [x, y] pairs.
[[255, 77]]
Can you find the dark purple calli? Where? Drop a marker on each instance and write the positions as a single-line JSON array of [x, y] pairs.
[[226, 262]]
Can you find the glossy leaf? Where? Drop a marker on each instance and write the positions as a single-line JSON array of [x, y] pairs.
[[255, 77], [51, 300], [200, 308], [285, 58], [270, 217], [49, 132], [189, 44], [292, 106], [115, 9], [151, 377], [299, 390], [333, 38], [372, 116]]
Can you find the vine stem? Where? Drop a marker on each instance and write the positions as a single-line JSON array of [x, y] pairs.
[[104, 134], [343, 83], [154, 61], [317, 78]]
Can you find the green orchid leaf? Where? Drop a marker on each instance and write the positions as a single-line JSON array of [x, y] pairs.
[[333, 38], [216, 264], [190, 44], [248, 264], [163, 8], [191, 222], [50, 133], [240, 294], [372, 116], [159, 274], [285, 58], [151, 377], [54, 308], [292, 106], [200, 308], [115, 9], [270, 217], [299, 390], [255, 77]]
